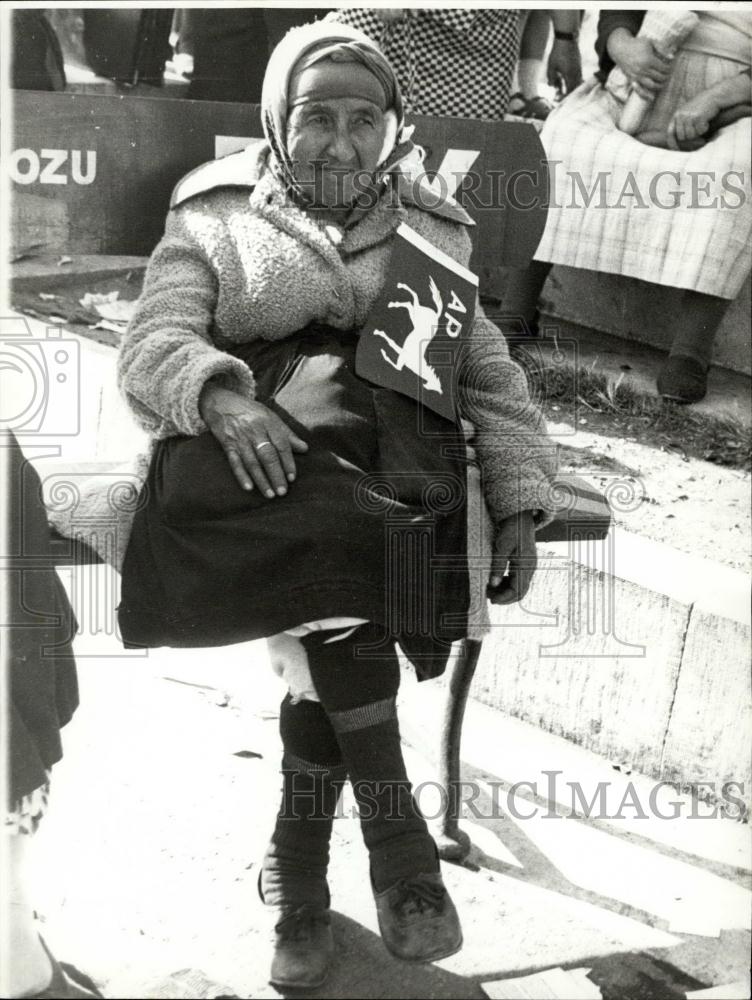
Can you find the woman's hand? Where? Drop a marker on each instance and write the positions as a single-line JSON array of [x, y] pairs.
[[564, 69], [259, 445], [692, 120], [646, 69], [515, 552]]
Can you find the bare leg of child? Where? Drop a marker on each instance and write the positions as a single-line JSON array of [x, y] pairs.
[[28, 969]]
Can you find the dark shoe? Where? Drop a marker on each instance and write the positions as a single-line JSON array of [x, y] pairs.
[[529, 107], [67, 980], [683, 380], [516, 104], [538, 108], [303, 948], [303, 941], [418, 920]]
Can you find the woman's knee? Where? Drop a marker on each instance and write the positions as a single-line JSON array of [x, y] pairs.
[[358, 669], [307, 733]]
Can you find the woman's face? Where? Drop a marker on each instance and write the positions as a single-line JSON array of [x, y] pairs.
[[335, 144]]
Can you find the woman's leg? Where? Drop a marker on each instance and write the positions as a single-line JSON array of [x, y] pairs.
[[296, 860], [293, 874], [416, 916], [28, 969], [683, 377], [701, 316], [522, 292], [532, 50], [31, 969], [359, 695]]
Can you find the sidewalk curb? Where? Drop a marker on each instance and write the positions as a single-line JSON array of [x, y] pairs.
[[44, 270], [632, 650]]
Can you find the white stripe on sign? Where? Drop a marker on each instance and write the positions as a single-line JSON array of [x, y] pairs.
[[226, 144], [454, 166]]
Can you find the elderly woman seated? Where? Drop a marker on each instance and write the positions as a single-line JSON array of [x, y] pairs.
[[278, 473], [671, 205]]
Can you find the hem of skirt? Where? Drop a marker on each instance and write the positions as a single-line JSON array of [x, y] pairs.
[[702, 288], [283, 609]]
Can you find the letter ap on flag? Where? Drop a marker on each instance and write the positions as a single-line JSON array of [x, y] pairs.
[[413, 334]]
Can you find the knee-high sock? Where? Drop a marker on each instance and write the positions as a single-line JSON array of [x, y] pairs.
[[522, 292], [359, 695], [296, 860], [698, 319]]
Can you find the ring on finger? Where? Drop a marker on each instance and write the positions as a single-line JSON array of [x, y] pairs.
[[264, 444]]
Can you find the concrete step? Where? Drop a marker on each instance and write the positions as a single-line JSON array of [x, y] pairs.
[[37, 270], [635, 651]]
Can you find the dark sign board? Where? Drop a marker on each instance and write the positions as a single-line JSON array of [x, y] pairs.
[[93, 174]]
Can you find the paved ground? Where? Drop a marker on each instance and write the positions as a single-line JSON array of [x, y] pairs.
[[163, 803], [166, 796]]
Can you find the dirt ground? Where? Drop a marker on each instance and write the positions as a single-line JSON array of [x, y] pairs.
[[695, 506]]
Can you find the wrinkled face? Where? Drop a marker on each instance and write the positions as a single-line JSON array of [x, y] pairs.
[[335, 144]]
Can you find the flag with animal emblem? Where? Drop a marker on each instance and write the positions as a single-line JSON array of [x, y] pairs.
[[413, 333]]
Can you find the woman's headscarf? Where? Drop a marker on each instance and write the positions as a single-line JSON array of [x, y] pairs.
[[305, 46]]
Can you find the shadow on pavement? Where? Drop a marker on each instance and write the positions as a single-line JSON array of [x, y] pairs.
[[364, 968], [627, 976]]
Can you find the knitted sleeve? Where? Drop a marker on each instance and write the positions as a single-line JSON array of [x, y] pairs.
[[167, 353], [507, 431], [516, 457]]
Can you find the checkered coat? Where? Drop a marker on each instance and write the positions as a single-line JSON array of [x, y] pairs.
[[452, 62]]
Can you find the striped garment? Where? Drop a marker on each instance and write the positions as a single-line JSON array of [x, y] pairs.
[[26, 813], [452, 62], [665, 216]]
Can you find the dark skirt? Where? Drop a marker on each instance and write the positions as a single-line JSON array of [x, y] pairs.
[[39, 631], [373, 527]]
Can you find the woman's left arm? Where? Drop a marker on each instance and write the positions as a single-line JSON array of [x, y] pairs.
[[692, 120], [517, 459], [565, 61]]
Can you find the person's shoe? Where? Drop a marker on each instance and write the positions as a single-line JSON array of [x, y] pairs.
[[418, 920], [67, 981], [303, 948], [682, 379], [516, 104], [538, 108]]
